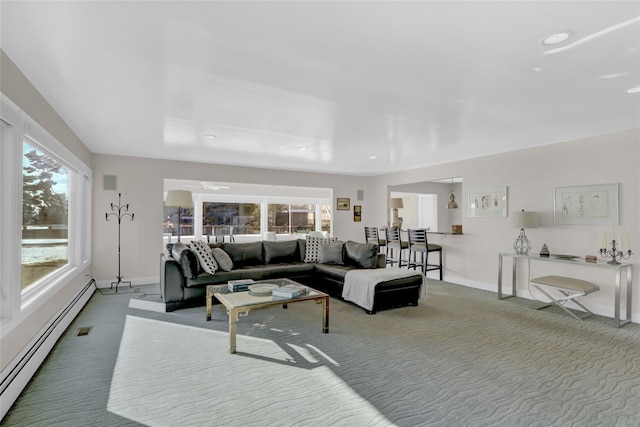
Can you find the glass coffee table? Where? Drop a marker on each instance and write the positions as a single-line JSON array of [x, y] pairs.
[[239, 304]]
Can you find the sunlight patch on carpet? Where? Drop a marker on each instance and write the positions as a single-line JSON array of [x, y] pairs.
[[165, 374]]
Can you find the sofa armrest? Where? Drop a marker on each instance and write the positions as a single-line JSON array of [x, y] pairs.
[[172, 281]]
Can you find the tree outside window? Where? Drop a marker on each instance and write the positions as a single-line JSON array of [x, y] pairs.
[[45, 215]]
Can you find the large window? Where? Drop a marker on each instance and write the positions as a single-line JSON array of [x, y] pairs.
[[225, 211], [45, 200], [45, 216], [229, 218], [292, 218]]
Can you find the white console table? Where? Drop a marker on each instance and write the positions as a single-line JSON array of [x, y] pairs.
[[576, 261]]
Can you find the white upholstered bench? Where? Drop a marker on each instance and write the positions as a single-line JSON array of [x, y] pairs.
[[569, 288]]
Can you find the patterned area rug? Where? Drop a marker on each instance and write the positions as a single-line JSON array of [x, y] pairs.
[[461, 358]]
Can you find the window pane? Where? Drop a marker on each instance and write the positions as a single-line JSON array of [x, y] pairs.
[[296, 218], [325, 211], [178, 223], [222, 218], [45, 215]]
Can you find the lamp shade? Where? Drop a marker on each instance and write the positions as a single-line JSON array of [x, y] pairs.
[[179, 198], [524, 219], [396, 203]]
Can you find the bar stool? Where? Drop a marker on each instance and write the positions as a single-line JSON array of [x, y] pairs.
[[371, 236], [395, 243], [418, 244]]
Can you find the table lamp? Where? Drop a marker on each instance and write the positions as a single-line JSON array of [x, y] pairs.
[[523, 220]]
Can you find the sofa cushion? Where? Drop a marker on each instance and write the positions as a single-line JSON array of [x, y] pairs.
[[312, 253], [331, 253], [203, 251], [362, 255], [244, 253], [187, 258], [223, 259], [279, 252], [261, 272]]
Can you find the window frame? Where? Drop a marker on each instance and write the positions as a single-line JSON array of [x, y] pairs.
[[17, 128]]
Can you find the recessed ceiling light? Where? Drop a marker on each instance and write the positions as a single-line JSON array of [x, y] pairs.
[[373, 157], [634, 90], [210, 136], [557, 38], [537, 69], [303, 148]]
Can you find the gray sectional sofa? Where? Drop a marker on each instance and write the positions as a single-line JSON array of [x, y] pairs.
[[318, 263]]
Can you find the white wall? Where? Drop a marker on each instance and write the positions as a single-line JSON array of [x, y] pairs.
[[141, 183], [531, 176]]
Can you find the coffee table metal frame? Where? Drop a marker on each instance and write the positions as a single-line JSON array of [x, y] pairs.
[[239, 304]]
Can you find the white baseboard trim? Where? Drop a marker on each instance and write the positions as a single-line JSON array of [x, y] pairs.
[[22, 368]]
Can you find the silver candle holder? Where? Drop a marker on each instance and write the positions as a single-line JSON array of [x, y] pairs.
[[615, 254]]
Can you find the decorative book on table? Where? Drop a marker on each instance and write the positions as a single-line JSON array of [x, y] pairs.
[[240, 285], [289, 291]]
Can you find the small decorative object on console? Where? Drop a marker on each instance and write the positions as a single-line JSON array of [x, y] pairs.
[[545, 250], [456, 229]]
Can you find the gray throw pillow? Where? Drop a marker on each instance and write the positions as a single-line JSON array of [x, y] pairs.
[[331, 253], [363, 255], [223, 259]]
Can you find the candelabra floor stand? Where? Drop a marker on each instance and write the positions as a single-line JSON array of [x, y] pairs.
[[119, 211]]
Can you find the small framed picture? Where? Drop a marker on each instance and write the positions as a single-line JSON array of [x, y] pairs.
[[488, 202], [344, 204], [357, 213]]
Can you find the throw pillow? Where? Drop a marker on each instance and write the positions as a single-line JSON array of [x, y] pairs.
[[203, 251], [363, 255], [331, 253], [187, 259], [313, 247], [223, 260]]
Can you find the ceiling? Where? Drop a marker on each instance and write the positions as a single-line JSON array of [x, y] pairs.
[[352, 87]]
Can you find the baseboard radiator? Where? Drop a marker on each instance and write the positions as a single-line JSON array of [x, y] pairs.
[[18, 373]]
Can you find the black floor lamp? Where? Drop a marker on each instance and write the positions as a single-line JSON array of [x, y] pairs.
[[119, 211]]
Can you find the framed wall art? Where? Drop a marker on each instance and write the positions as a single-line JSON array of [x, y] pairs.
[[586, 204], [357, 213], [488, 202], [343, 204]]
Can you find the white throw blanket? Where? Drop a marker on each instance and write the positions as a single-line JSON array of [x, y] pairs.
[[359, 285]]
